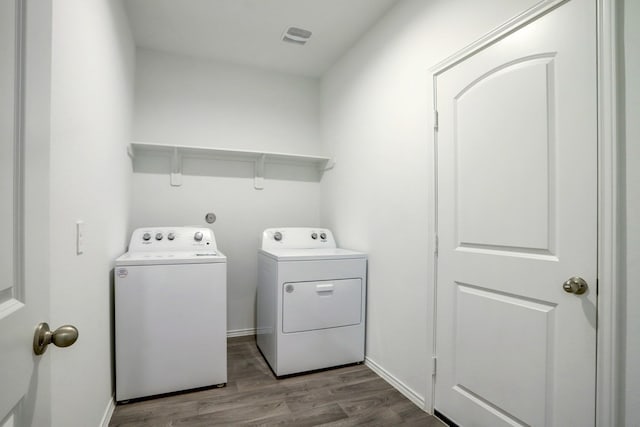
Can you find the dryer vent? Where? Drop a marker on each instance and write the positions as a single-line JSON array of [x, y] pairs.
[[296, 35]]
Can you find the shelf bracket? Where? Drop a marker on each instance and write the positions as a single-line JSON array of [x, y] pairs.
[[331, 163], [176, 168], [258, 180]]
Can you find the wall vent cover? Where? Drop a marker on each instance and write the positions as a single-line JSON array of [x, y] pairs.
[[296, 35]]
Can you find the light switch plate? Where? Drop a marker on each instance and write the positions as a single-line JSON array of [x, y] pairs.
[[79, 237]]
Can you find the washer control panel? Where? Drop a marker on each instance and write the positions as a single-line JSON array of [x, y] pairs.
[[297, 238], [171, 239]]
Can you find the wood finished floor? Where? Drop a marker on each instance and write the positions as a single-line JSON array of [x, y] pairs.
[[347, 396]]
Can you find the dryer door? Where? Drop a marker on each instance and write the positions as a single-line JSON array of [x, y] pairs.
[[308, 306]]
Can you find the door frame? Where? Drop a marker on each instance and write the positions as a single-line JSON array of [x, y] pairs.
[[610, 329]]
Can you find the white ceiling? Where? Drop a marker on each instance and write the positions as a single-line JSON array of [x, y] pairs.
[[249, 31]]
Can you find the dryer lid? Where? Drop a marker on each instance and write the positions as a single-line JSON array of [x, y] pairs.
[[284, 254]]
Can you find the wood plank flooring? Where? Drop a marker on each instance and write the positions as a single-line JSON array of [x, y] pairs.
[[347, 396]]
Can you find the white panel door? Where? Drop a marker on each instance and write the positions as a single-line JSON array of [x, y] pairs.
[[517, 195], [24, 217]]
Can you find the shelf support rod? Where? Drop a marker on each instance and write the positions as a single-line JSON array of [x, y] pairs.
[[258, 180], [176, 168]]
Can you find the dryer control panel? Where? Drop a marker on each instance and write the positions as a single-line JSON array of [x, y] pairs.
[[172, 239], [297, 238]]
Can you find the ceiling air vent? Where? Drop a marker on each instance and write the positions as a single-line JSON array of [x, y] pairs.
[[296, 35]]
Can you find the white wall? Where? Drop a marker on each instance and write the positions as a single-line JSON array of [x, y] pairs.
[[187, 101], [91, 109], [632, 105], [377, 118], [183, 100]]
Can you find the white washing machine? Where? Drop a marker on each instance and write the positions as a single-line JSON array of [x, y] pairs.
[[170, 312], [310, 301]]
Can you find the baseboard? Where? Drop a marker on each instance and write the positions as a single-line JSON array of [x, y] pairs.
[[396, 383], [108, 413], [241, 332]]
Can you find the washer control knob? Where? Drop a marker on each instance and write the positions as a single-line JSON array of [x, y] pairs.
[[171, 236], [314, 236], [158, 236], [198, 236], [146, 237], [323, 236], [277, 236]]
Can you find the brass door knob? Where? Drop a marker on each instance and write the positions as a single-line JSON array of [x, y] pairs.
[[575, 285], [64, 336]]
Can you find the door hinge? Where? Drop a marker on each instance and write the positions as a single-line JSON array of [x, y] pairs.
[[435, 119], [434, 365]]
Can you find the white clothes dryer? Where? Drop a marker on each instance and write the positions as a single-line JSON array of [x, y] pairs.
[[170, 312], [311, 301]]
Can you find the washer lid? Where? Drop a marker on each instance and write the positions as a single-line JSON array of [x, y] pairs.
[[312, 254], [168, 258]]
